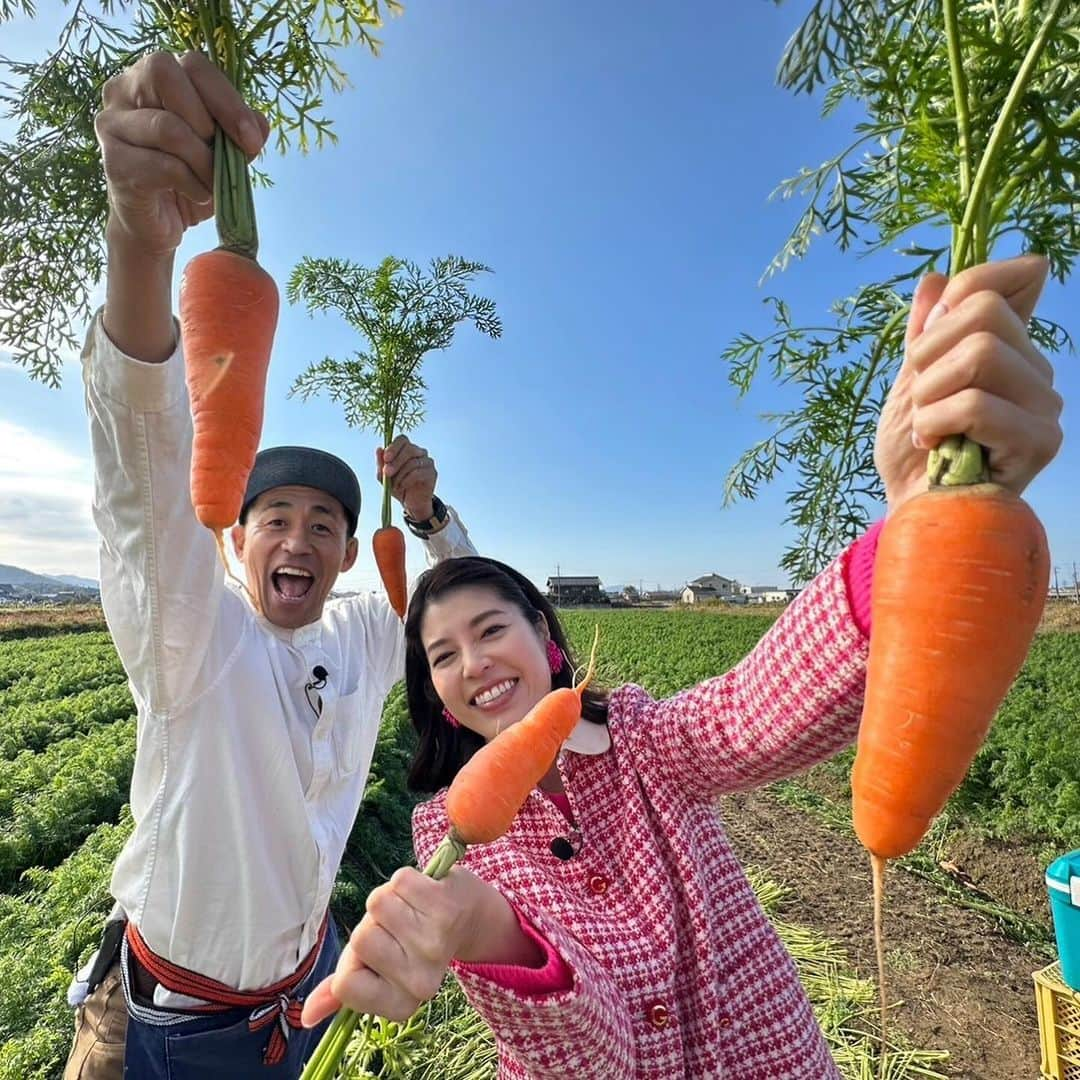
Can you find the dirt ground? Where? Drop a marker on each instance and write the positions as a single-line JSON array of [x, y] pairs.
[[18, 622], [962, 985]]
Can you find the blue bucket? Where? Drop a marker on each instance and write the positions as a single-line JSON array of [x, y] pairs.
[[1063, 885]]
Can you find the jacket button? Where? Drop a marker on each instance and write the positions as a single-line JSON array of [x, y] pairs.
[[659, 1015], [598, 884]]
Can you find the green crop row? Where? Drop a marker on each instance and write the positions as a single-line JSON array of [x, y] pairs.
[[33, 725], [49, 802], [46, 932]]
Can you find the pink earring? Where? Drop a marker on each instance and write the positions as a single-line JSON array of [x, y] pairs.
[[555, 657], [450, 718]]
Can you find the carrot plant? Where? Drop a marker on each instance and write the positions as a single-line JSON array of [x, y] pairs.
[[402, 313], [53, 204], [970, 138]]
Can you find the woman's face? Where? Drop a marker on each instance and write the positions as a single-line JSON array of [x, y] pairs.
[[488, 661]]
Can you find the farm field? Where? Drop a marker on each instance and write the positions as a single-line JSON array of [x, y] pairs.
[[966, 922]]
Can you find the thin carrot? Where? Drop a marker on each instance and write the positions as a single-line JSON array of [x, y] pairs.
[[228, 313], [491, 786], [388, 544], [484, 798]]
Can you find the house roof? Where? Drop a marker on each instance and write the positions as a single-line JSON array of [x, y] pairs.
[[712, 580], [554, 581]]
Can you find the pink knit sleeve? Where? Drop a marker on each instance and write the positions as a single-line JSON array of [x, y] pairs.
[[859, 575], [795, 700], [552, 976]]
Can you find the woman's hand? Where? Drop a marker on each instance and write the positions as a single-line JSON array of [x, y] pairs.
[[970, 369], [398, 955]]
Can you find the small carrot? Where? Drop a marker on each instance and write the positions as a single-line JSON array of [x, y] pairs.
[[388, 544], [492, 785], [228, 314], [484, 798]]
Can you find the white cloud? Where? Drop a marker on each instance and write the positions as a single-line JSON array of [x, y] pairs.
[[45, 494]]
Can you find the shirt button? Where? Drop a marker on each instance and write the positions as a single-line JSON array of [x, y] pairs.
[[658, 1014], [598, 884]]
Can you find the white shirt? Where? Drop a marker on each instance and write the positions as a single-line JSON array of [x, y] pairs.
[[243, 797]]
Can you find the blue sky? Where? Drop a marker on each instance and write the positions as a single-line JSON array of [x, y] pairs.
[[614, 170]]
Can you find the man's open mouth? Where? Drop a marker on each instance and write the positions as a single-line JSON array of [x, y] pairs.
[[292, 582]]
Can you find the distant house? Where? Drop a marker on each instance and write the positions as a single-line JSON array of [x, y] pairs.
[[710, 587], [766, 594], [566, 591], [722, 586], [698, 594]]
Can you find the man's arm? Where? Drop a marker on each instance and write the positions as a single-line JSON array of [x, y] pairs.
[[160, 580]]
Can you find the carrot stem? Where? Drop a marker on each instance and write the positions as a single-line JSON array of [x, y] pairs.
[[386, 516], [324, 1062], [446, 854], [234, 204], [957, 461], [962, 255]]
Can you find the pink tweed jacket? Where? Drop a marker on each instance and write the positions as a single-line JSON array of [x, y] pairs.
[[667, 966]]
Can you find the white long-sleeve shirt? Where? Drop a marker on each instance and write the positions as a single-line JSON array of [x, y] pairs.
[[243, 795]]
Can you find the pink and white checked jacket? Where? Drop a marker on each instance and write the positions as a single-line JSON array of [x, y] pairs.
[[663, 963]]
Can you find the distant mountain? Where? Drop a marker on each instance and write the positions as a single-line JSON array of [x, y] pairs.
[[78, 582], [26, 579]]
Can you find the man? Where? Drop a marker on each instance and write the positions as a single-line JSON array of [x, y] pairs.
[[258, 707]]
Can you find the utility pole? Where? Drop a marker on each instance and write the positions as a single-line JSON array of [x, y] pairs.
[[1076, 586], [1057, 592], [558, 583]]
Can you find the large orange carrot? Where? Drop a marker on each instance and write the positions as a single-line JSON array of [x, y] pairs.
[[960, 580], [228, 314], [388, 544]]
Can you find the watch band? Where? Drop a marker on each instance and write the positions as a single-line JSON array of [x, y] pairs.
[[439, 514]]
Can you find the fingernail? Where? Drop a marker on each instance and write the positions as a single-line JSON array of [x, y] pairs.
[[936, 312], [250, 136]]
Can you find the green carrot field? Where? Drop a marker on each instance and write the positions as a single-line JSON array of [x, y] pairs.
[[67, 740]]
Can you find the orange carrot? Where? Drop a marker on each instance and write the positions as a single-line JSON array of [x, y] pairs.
[[228, 314], [492, 785], [960, 580], [388, 544]]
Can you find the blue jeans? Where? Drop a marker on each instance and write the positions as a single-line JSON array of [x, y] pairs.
[[220, 1046]]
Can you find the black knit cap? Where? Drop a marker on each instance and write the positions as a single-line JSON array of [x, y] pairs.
[[281, 465]]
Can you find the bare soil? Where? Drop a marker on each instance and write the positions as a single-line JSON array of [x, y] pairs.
[[955, 980]]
